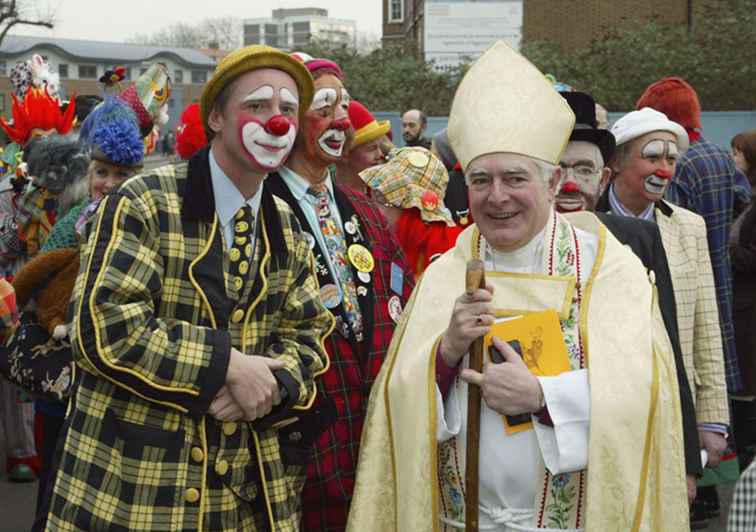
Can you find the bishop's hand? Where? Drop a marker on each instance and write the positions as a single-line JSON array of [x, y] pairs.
[[471, 318], [509, 388]]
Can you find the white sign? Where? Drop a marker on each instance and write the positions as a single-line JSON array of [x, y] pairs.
[[459, 31]]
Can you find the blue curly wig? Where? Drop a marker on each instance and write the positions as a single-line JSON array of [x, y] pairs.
[[111, 131]]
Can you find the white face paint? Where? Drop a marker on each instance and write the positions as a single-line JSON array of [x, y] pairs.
[[323, 98], [288, 97], [268, 150], [260, 94], [332, 142]]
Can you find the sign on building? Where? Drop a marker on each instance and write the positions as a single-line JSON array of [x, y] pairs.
[[459, 31]]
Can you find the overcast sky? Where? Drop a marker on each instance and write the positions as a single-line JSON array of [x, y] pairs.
[[116, 20]]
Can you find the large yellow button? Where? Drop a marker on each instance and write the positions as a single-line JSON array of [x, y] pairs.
[[243, 267], [197, 454], [229, 428], [237, 316], [221, 467], [192, 495]]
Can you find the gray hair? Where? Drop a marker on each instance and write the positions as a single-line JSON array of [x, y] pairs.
[[545, 171]]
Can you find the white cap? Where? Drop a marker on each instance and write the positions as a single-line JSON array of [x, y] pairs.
[[638, 123]]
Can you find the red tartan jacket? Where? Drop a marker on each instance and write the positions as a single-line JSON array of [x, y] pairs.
[[354, 367]]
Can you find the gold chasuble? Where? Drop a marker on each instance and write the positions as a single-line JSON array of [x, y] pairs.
[[635, 479]]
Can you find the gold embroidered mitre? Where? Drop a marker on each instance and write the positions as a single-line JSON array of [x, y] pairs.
[[505, 104]]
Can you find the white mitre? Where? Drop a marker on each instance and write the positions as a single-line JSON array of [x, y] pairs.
[[505, 104]]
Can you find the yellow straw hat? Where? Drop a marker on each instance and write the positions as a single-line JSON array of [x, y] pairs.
[[251, 58]]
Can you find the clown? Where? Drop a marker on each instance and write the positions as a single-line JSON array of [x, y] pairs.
[[365, 150], [585, 175], [364, 281], [648, 144], [215, 328]]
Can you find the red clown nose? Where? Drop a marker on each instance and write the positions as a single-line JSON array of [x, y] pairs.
[[570, 187], [277, 125], [341, 125], [664, 174]]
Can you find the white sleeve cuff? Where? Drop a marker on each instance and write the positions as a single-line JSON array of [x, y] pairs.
[[565, 445], [449, 414]]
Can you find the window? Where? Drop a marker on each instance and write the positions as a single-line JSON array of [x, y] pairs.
[[88, 71], [199, 76], [3, 68], [178, 74], [63, 70], [396, 11]]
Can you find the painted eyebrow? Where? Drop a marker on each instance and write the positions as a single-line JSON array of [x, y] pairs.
[[259, 94], [288, 97]]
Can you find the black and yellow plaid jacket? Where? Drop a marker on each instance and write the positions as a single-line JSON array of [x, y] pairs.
[[156, 315]]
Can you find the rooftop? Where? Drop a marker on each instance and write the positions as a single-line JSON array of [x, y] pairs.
[[101, 51]]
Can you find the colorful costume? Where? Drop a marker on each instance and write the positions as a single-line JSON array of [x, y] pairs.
[[373, 270]]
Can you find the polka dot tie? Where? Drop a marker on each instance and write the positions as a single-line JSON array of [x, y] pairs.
[[241, 250]]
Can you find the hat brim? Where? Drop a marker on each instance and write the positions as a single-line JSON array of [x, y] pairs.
[[649, 126], [251, 58], [600, 137], [370, 132]]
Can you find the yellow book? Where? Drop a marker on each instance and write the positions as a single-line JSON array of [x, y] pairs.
[[537, 338]]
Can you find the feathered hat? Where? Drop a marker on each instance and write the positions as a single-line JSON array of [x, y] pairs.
[[113, 135], [37, 111], [190, 134], [675, 98], [147, 97]]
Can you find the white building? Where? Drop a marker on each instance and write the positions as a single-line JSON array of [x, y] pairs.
[[292, 29]]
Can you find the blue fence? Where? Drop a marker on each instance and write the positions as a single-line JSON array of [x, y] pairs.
[[718, 127]]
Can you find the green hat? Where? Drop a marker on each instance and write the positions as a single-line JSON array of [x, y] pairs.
[[251, 58]]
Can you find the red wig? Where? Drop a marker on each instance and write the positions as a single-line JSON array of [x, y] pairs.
[[38, 111]]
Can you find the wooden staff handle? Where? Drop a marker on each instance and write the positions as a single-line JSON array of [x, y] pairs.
[[475, 279]]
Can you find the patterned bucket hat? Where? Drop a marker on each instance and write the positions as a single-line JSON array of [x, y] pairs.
[[412, 177]]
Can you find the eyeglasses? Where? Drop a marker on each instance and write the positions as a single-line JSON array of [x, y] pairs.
[[580, 172]]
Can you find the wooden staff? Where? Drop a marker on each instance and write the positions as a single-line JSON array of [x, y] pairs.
[[475, 279]]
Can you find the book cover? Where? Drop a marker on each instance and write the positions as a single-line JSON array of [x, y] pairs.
[[537, 338]]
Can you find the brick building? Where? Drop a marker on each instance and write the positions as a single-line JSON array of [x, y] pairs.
[[80, 64], [569, 24]]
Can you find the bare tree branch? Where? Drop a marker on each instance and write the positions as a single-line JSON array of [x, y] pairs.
[[13, 13]]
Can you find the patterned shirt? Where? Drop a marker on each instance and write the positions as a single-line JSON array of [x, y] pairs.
[[228, 200], [707, 182]]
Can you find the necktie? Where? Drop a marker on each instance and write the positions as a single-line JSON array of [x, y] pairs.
[[337, 253], [241, 250]]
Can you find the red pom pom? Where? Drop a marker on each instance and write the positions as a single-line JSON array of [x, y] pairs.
[[190, 134]]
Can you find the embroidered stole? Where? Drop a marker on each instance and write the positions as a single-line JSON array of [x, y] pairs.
[[560, 501]]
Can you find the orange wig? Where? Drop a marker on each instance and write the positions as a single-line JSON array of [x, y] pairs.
[[38, 111]]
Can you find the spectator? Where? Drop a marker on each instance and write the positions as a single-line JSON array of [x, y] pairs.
[[414, 124]]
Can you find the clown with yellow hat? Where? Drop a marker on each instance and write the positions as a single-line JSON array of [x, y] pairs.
[[365, 150], [198, 309]]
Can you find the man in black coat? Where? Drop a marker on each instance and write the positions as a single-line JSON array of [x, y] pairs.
[[584, 177]]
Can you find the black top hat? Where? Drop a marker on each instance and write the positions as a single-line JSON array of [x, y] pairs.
[[584, 107]]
